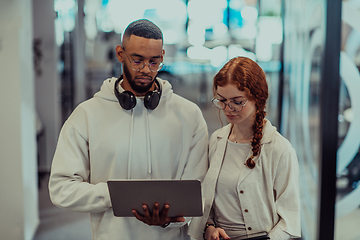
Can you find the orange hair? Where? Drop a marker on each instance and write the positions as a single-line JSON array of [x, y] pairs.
[[250, 78]]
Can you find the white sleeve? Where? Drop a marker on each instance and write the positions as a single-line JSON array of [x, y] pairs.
[[69, 185], [286, 188], [197, 162]]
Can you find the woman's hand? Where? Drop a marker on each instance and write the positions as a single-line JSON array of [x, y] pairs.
[[213, 233]]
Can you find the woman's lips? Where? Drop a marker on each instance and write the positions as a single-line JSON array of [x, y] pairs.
[[231, 116]]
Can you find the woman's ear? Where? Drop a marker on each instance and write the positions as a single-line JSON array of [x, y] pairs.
[[119, 53]]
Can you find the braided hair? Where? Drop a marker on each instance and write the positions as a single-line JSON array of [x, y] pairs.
[[248, 76]]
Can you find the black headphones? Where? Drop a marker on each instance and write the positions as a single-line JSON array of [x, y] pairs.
[[127, 99]]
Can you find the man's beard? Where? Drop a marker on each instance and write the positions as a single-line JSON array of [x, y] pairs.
[[137, 88]]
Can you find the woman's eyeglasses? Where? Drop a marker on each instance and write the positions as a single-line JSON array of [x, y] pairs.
[[233, 105]]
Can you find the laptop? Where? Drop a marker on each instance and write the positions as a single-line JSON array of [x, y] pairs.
[[183, 196]]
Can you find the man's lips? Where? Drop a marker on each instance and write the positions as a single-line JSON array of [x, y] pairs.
[[144, 79]]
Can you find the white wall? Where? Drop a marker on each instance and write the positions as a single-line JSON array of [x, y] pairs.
[[19, 216]]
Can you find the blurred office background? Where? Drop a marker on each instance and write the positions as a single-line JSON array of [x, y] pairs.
[[55, 54]]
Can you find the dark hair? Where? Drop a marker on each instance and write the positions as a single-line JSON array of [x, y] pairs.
[[143, 28], [250, 78]]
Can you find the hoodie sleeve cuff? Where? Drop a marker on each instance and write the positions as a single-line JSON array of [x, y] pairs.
[[106, 195], [278, 234]]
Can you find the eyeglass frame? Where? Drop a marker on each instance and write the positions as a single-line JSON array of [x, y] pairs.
[[228, 104], [161, 64]]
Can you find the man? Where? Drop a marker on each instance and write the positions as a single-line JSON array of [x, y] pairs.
[[135, 127]]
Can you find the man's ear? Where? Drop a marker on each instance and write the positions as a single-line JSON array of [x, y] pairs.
[[119, 53], [162, 55]]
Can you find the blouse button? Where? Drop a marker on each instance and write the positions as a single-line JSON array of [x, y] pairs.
[[246, 210], [249, 228], [241, 191]]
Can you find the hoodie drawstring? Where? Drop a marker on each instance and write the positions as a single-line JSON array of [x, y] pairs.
[[130, 143], [148, 142]]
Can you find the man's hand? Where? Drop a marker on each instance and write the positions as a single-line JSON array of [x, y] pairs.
[[155, 218]]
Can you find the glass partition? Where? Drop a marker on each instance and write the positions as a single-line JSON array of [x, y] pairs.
[[348, 154], [306, 42], [304, 34]]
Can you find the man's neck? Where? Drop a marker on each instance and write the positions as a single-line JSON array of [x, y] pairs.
[[126, 86]]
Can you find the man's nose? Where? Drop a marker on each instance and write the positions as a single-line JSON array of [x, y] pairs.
[[146, 68]]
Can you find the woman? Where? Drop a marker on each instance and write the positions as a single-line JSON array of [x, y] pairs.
[[251, 186]]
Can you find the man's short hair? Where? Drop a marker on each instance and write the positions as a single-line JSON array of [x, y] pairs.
[[143, 28]]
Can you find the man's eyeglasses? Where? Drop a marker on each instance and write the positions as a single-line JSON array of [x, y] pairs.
[[233, 105], [138, 65]]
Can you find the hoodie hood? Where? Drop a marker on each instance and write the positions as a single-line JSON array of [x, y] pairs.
[[107, 89]]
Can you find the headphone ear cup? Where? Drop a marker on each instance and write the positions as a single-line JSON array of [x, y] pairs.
[[127, 100], [151, 100]]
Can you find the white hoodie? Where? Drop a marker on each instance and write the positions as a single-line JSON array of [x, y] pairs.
[[101, 141]]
